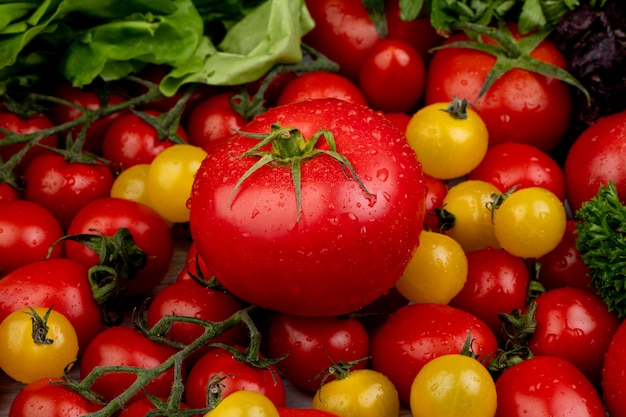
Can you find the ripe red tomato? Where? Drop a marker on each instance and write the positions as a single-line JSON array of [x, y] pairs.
[[61, 283], [238, 375], [417, 333], [304, 412], [8, 192], [392, 76], [43, 398], [129, 141], [436, 191], [195, 268], [92, 100], [27, 231], [339, 249], [596, 158], [312, 344], [14, 123], [575, 325], [213, 120], [613, 374], [150, 233], [343, 32], [126, 346], [142, 406], [65, 187], [321, 84], [521, 106], [497, 282], [563, 266], [512, 164], [546, 386]]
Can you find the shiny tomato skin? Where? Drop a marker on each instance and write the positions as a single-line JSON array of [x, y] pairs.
[[546, 386], [519, 107], [17, 124], [195, 269], [613, 371], [311, 343], [61, 283], [239, 376], [497, 282], [392, 76], [436, 191], [213, 120], [126, 346], [45, 398], [574, 325], [304, 412], [64, 187], [595, 158], [262, 252], [150, 233], [321, 84], [563, 266], [8, 192], [343, 32], [27, 231], [129, 141], [419, 32], [511, 164], [416, 333]]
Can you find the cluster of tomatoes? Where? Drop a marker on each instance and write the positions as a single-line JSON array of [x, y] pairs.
[[320, 251]]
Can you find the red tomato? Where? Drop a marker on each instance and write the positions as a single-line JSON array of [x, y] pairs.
[[92, 100], [8, 192], [61, 283], [321, 84], [343, 32], [312, 344], [42, 398], [400, 120], [546, 386], [213, 120], [238, 376], [518, 164], [142, 406], [392, 76], [27, 231], [563, 266], [574, 325], [497, 282], [304, 412], [64, 187], [150, 233], [130, 141], [324, 257], [274, 88], [14, 123], [125, 346], [614, 374], [192, 300], [195, 269], [521, 106], [417, 333], [436, 191], [596, 158]]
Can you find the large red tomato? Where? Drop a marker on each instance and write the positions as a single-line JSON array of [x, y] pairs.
[[521, 106], [333, 247]]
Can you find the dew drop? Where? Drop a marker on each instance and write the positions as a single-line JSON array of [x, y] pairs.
[[382, 174]]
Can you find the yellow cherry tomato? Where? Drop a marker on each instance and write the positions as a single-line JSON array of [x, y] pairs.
[[453, 385], [473, 225], [436, 272], [363, 393], [447, 145], [170, 178], [27, 357], [131, 184], [244, 404], [530, 222]]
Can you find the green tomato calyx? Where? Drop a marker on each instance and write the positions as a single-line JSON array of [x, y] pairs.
[[290, 148], [40, 327]]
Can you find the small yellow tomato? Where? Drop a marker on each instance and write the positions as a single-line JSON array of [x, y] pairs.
[[530, 222], [131, 184], [244, 404], [473, 226], [453, 385], [37, 343], [436, 272], [448, 145], [170, 178], [362, 393]]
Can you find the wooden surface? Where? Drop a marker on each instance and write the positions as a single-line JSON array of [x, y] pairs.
[[295, 398]]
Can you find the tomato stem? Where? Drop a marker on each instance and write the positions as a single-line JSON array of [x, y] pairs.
[[40, 326]]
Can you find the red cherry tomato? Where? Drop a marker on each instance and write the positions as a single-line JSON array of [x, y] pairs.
[[436, 191], [8, 192], [419, 32], [213, 120], [613, 371], [320, 84]]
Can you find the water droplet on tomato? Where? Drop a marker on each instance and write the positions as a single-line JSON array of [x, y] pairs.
[[382, 174], [363, 231], [255, 213]]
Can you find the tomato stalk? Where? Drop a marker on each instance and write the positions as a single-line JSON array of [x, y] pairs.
[[40, 327], [290, 148]]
